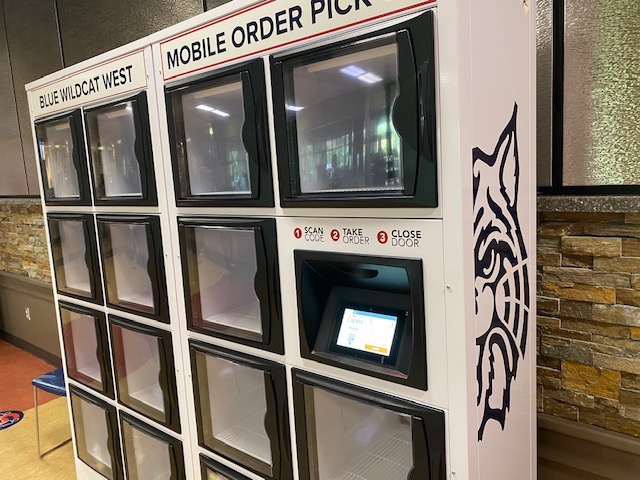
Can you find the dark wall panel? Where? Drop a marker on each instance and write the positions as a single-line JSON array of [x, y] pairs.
[[34, 50], [91, 27], [215, 3], [13, 180]]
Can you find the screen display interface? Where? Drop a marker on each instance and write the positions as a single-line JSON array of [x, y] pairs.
[[367, 331]]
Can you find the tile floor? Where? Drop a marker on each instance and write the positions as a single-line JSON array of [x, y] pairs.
[[18, 369]]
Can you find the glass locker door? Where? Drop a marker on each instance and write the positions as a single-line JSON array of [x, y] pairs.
[[96, 433], [144, 371], [241, 409], [230, 271], [347, 432], [212, 470], [84, 334], [149, 453], [75, 256], [133, 265], [63, 160], [119, 142], [355, 121], [219, 139]]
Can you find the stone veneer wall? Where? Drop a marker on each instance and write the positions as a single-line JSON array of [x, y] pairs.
[[23, 243], [589, 318]]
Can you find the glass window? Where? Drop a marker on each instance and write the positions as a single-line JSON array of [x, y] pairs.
[[70, 257], [60, 176], [112, 140], [93, 432], [146, 457], [139, 372], [129, 283], [349, 439], [222, 269], [212, 158], [233, 406], [83, 348], [339, 108]]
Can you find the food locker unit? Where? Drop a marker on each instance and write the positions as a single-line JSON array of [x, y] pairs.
[[345, 198], [96, 130]]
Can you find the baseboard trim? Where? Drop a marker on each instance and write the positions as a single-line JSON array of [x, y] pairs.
[[572, 450], [50, 358]]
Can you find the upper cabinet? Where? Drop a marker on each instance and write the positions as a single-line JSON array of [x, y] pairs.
[[120, 152], [219, 139], [355, 120], [63, 160]]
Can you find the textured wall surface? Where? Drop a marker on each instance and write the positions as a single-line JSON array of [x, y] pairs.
[[23, 244], [589, 318]]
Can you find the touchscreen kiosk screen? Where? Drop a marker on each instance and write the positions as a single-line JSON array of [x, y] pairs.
[[367, 331]]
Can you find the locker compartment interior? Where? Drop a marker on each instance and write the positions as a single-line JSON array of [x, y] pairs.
[[219, 144], [355, 120], [144, 370], [149, 453], [63, 160], [363, 313], [240, 413], [230, 271], [84, 333], [74, 251], [133, 264], [347, 433], [95, 432], [120, 152]]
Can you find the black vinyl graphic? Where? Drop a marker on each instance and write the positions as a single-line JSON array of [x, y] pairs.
[[502, 295]]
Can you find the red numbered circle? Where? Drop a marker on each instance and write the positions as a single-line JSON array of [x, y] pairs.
[[297, 233], [383, 237], [335, 235]]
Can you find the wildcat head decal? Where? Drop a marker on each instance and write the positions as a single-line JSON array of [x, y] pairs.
[[502, 297]]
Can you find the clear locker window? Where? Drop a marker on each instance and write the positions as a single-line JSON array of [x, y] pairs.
[[56, 146], [355, 440], [70, 257], [128, 282], [339, 109], [233, 404], [82, 347], [92, 430], [211, 154], [222, 268], [146, 457], [112, 138], [139, 371]]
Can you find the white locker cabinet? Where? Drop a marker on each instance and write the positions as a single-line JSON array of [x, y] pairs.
[[327, 210]]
